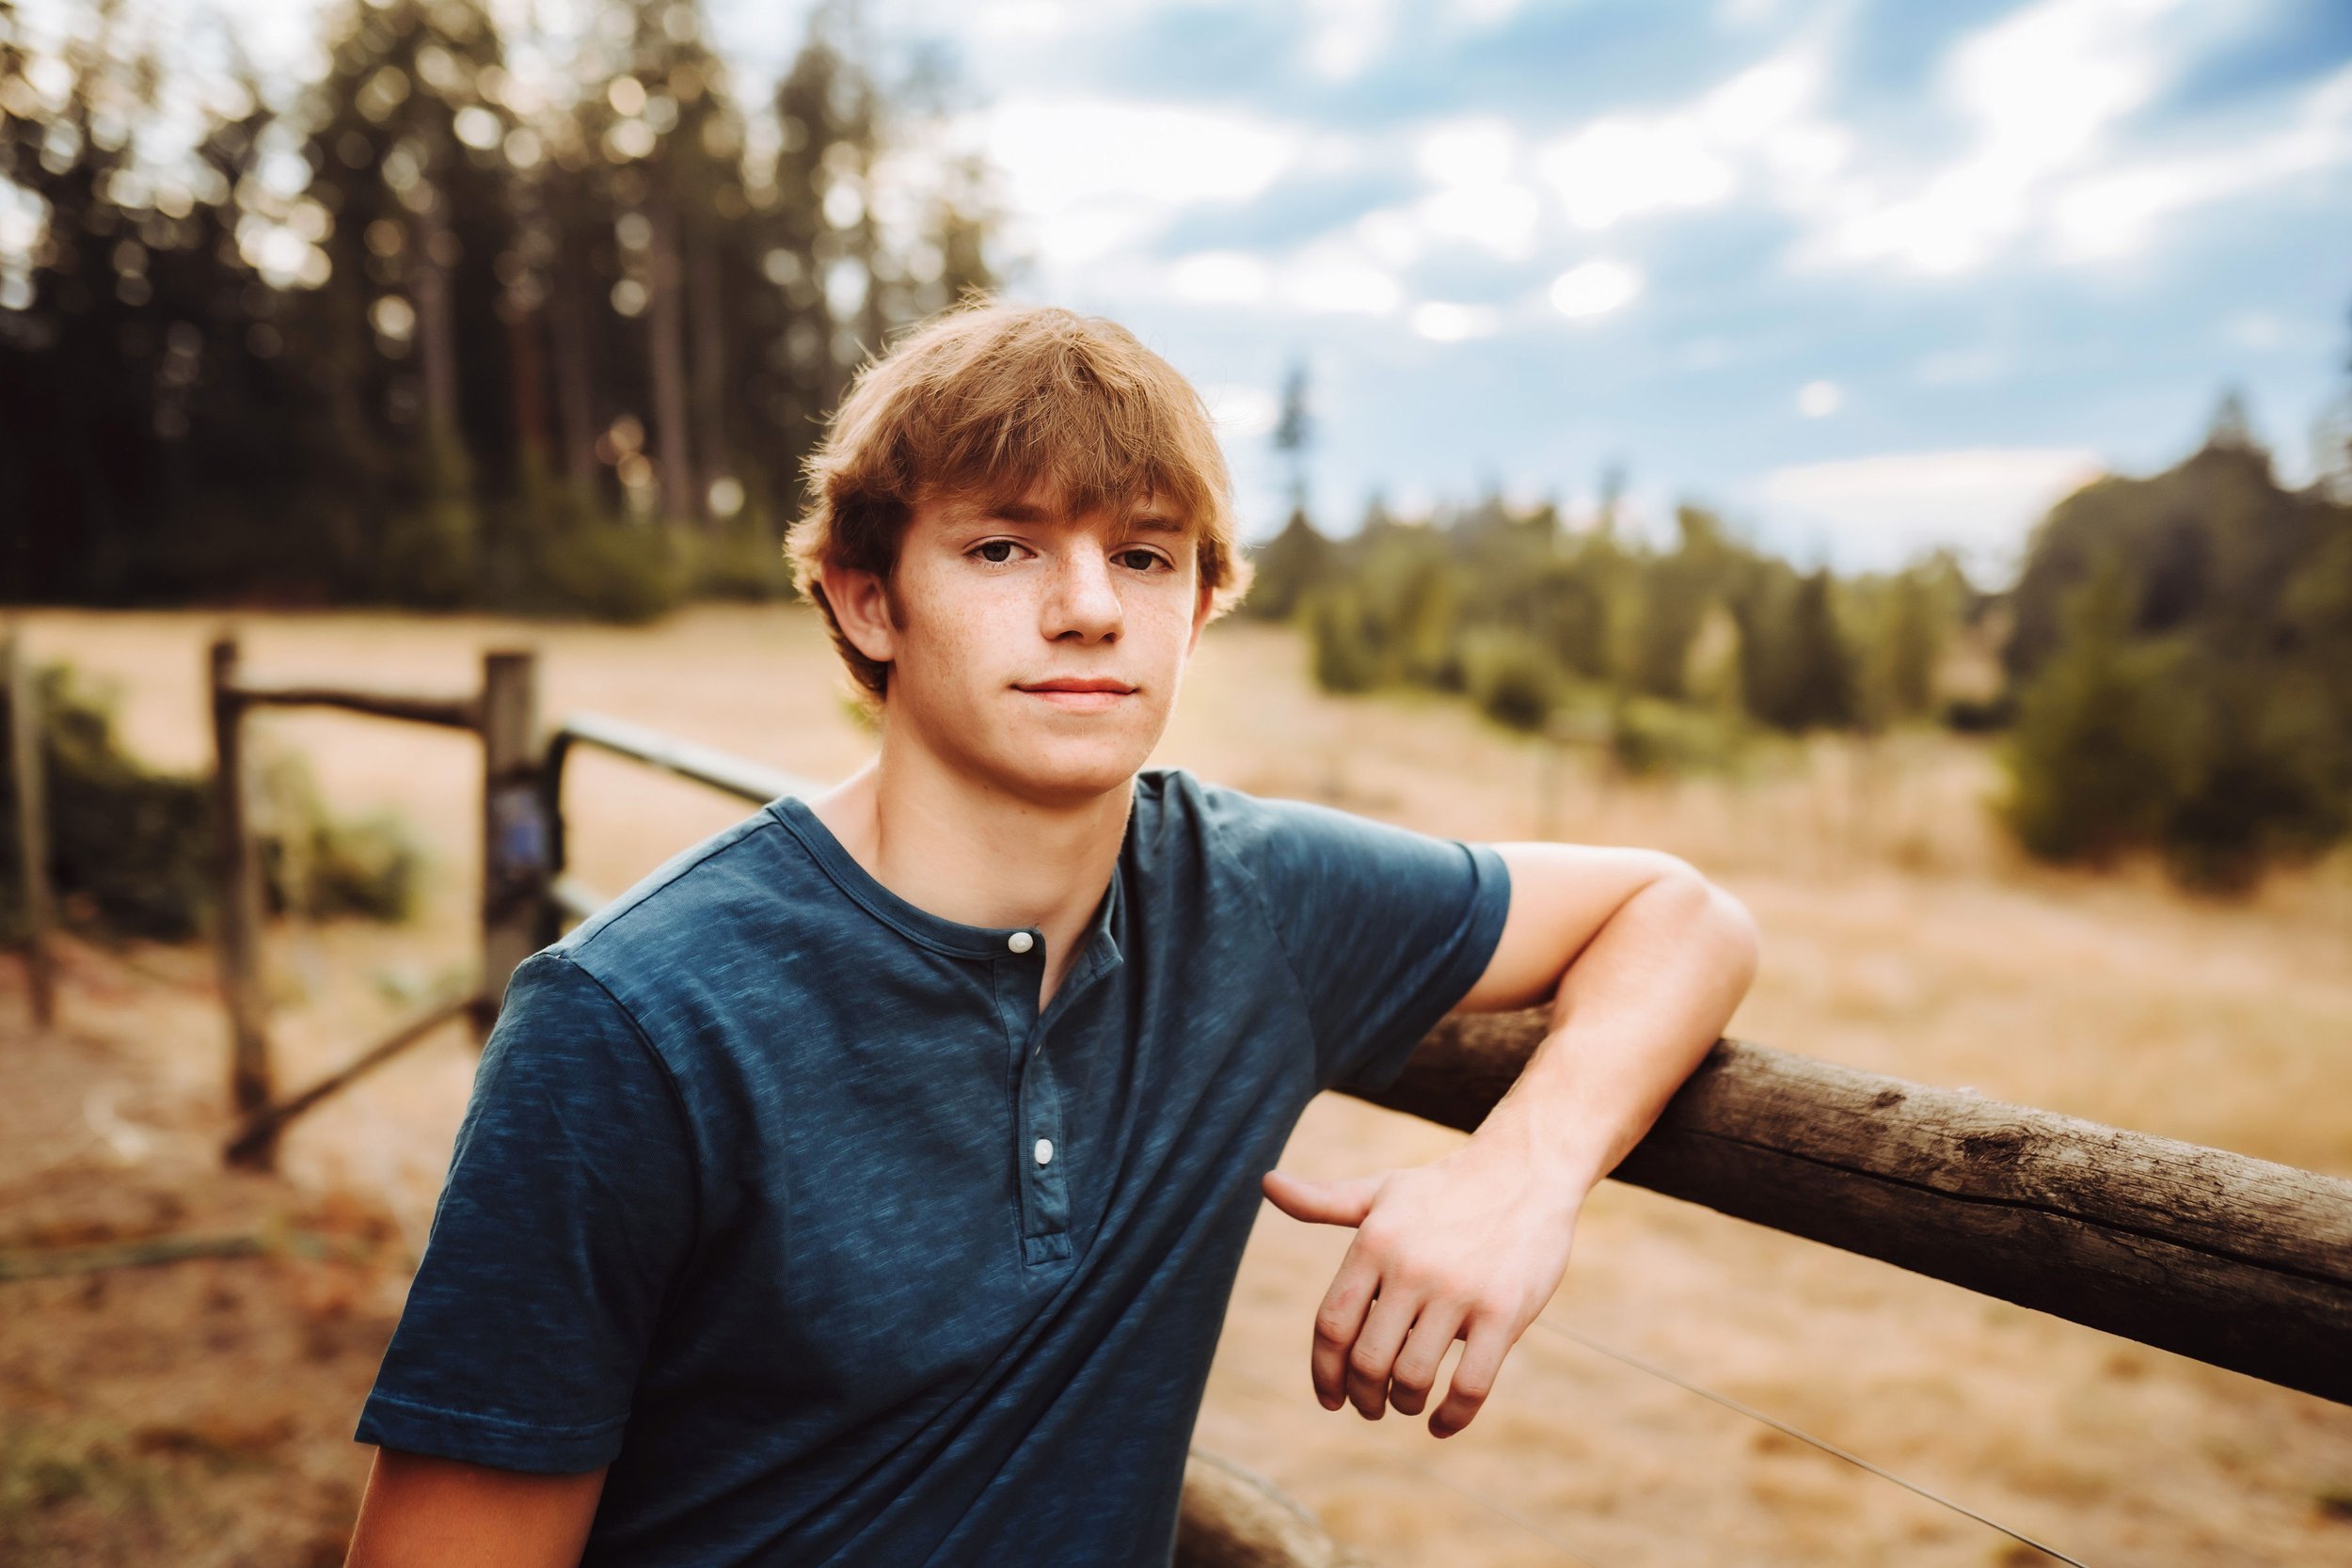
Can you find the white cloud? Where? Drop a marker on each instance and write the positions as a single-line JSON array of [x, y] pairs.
[[1221, 278], [1817, 400], [2047, 170], [1242, 411], [1091, 175], [1613, 168], [1346, 36], [2114, 213], [1332, 278], [1884, 510], [1477, 198], [1628, 166], [1595, 289], [2040, 88], [1442, 321], [1391, 235]]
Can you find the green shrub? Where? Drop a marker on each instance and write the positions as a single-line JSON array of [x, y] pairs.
[[1346, 655], [1648, 735], [2089, 760], [132, 847], [1510, 677]]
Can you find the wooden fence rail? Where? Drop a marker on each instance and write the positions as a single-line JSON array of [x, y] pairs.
[[2233, 1260]]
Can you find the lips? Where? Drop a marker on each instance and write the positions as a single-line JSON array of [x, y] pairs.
[[1075, 694]]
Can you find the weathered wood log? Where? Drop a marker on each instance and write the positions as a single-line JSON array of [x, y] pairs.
[[739, 776], [449, 712], [27, 764], [517, 844], [259, 1131], [2233, 1260], [1233, 1518], [149, 1251], [237, 882]]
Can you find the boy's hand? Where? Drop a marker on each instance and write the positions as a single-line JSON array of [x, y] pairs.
[[1471, 1247]]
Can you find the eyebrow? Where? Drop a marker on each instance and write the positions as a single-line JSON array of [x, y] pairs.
[[1022, 512]]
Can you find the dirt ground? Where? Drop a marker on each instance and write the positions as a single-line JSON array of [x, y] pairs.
[[199, 1411]]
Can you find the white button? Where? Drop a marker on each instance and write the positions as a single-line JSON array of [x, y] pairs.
[[1044, 1151], [1021, 942]]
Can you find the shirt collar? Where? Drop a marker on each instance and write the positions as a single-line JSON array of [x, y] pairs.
[[1098, 947]]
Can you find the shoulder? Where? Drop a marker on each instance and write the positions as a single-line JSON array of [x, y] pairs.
[[1266, 832], [1173, 801], [691, 911]]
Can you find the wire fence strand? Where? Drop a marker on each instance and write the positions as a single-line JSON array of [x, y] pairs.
[[1630, 1359], [1500, 1509]]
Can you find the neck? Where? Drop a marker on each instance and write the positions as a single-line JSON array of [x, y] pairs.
[[971, 852]]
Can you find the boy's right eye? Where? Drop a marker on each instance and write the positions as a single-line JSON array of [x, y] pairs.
[[997, 550]]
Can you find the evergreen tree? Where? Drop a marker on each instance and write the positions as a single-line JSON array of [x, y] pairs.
[[1289, 567]]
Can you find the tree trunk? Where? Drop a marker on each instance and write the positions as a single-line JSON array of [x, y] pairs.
[[575, 390], [436, 317], [710, 363], [668, 319], [530, 382]]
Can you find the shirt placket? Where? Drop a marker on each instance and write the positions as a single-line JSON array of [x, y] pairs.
[[1041, 1151]]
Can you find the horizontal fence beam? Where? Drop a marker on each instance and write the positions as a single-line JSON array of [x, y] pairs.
[[2235, 1261], [738, 776], [449, 712], [259, 1131]]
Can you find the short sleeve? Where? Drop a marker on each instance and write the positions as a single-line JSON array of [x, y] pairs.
[[569, 1207], [1386, 928]]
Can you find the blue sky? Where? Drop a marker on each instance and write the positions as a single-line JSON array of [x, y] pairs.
[[1864, 276]]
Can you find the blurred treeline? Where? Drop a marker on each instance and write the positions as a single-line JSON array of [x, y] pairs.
[[1670, 655], [2173, 670], [534, 322]]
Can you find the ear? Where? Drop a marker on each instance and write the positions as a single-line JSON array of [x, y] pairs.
[[1200, 617], [861, 605]]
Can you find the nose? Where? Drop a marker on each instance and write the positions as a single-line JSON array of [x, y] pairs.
[[1082, 602]]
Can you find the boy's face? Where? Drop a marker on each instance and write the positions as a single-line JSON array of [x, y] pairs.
[[1033, 649]]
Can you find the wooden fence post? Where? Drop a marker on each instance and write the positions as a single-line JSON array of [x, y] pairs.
[[26, 757], [238, 889], [514, 838]]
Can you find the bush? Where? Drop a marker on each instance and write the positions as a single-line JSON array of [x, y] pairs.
[[132, 847], [2089, 760], [1346, 658], [1650, 736], [1510, 677]]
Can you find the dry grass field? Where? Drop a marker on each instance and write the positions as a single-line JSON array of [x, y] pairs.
[[200, 1412]]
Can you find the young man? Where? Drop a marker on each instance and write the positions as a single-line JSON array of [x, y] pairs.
[[865, 1186]]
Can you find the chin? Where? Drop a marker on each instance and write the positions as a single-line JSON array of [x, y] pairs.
[[1059, 765], [1070, 775]]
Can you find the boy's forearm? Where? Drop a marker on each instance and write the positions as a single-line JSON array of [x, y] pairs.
[[1634, 1014]]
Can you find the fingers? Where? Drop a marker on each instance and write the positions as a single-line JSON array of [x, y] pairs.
[[1415, 1368], [1338, 1321], [1473, 1375], [1323, 1202], [1374, 1353]]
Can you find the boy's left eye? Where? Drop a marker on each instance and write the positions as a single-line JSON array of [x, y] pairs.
[[1140, 560]]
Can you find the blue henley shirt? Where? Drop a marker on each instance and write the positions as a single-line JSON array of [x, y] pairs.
[[777, 1194]]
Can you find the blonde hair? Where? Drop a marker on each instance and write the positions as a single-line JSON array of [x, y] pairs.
[[990, 398]]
